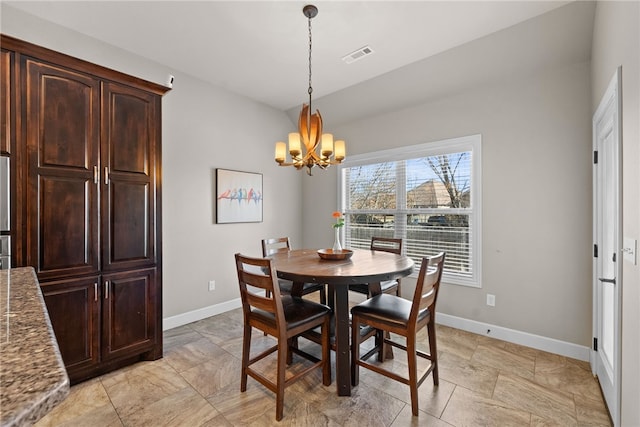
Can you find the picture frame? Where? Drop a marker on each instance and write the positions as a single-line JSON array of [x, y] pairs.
[[239, 196]]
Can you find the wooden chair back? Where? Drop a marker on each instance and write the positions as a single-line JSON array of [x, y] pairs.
[[258, 273], [282, 244], [427, 286], [386, 244], [275, 245]]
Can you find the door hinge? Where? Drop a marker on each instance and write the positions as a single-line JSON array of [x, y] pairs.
[[595, 157], [595, 251], [595, 344], [614, 257]]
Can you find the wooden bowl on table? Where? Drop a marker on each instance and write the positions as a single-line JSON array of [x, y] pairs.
[[330, 254]]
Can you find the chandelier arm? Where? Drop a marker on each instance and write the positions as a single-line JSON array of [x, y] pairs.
[[310, 128]]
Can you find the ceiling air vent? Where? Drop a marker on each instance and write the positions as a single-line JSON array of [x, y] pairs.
[[358, 54]]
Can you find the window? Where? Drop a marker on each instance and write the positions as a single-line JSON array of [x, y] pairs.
[[427, 194]]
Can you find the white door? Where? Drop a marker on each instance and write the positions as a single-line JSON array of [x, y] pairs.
[[606, 271]]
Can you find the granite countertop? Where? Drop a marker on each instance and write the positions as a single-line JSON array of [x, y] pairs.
[[32, 375]]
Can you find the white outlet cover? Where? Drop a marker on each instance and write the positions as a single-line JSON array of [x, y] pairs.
[[491, 300]]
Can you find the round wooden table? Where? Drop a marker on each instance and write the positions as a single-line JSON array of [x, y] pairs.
[[365, 266]]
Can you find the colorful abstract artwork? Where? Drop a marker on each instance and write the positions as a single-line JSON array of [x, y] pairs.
[[238, 196]]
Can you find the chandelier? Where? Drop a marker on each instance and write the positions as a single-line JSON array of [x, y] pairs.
[[310, 131]]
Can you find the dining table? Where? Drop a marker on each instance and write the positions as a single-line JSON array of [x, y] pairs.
[[363, 266]]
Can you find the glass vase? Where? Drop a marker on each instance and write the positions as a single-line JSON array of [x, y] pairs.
[[336, 241]]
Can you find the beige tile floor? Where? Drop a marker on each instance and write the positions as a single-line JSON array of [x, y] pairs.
[[483, 382]]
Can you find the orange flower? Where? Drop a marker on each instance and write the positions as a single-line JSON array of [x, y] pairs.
[[339, 219]]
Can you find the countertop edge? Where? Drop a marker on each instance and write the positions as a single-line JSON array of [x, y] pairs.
[[32, 373]]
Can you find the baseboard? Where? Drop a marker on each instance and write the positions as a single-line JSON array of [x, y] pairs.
[[199, 314], [510, 335], [517, 337]]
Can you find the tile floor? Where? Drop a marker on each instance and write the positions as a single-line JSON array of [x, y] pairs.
[[483, 382]]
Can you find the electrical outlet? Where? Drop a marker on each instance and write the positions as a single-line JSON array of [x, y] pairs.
[[491, 300], [212, 285]]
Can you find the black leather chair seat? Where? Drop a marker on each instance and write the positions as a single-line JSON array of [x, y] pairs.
[[286, 286], [296, 312], [385, 287], [388, 308]]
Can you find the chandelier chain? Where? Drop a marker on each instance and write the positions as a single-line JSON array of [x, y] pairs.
[[310, 90]]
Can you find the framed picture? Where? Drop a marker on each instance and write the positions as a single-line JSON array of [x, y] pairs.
[[238, 196]]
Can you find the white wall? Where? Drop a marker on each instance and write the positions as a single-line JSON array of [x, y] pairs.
[[206, 128], [616, 41], [536, 151], [203, 128]]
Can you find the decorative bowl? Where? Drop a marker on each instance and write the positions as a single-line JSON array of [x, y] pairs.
[[330, 254]]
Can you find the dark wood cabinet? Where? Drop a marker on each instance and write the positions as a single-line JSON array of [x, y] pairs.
[[62, 112], [88, 159], [74, 309], [123, 303], [129, 323], [6, 83], [129, 154]]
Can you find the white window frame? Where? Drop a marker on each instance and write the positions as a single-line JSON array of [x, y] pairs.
[[472, 143]]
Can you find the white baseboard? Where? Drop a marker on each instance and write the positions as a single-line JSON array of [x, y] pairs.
[[517, 337], [199, 314]]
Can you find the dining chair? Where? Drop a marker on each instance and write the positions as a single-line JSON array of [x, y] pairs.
[[384, 244], [283, 317], [282, 244], [393, 314]]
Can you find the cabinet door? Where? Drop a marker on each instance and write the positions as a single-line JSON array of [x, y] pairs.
[[6, 105], [129, 313], [130, 136], [62, 134], [74, 310]]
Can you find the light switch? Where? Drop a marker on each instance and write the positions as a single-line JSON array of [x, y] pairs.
[[629, 250]]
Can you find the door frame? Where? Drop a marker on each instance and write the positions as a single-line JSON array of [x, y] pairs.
[[611, 98]]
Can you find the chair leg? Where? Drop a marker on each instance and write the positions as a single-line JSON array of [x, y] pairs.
[[326, 352], [413, 373], [291, 343], [433, 350], [355, 350], [289, 352], [378, 343], [246, 348], [323, 295], [280, 376]]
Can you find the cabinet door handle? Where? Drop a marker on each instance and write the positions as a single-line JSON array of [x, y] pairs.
[[106, 175], [106, 289], [95, 291], [96, 175]]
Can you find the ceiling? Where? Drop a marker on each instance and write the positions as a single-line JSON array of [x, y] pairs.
[[259, 48]]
